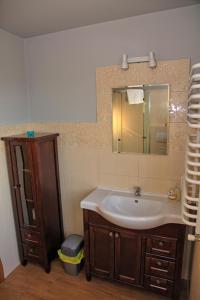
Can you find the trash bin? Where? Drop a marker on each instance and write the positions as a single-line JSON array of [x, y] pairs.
[[71, 254]]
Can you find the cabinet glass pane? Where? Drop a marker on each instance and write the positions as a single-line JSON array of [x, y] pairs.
[[24, 176]]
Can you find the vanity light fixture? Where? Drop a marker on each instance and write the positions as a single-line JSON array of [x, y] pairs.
[[150, 58]]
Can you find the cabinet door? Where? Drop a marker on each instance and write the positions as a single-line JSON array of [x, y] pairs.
[[24, 184], [127, 257], [101, 251]]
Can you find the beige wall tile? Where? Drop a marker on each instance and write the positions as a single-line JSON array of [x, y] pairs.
[[162, 167], [177, 137], [128, 164], [160, 186], [117, 181], [178, 107], [118, 164], [79, 158], [81, 183], [107, 161], [174, 72]]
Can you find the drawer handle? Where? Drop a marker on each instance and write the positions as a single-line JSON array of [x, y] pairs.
[[116, 235], [31, 250], [161, 250], [110, 234], [158, 287], [158, 269], [29, 236]]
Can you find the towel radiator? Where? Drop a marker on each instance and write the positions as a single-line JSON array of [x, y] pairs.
[[191, 181]]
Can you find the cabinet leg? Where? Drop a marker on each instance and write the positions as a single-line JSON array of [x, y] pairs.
[[47, 268], [88, 277], [24, 262], [87, 271]]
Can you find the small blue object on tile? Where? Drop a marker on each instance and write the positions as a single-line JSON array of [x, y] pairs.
[[30, 133]]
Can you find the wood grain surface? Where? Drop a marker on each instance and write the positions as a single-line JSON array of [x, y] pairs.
[[32, 283]]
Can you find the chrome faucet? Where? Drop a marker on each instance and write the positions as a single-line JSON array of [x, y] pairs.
[[137, 190]]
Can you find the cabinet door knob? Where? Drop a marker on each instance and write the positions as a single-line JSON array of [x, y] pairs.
[[116, 235], [110, 234], [161, 244], [16, 186], [33, 214], [158, 282], [159, 263]]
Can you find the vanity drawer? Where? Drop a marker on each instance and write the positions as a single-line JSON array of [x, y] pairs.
[[159, 267], [161, 246], [30, 236], [160, 285], [32, 252]]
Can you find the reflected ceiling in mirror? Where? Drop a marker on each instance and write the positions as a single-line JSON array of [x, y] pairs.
[[140, 119]]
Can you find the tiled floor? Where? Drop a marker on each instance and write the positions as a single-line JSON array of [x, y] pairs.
[[32, 283]]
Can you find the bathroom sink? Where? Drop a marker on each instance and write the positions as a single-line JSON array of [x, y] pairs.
[[129, 207], [126, 210]]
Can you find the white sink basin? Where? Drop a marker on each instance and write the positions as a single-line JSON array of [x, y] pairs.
[[126, 210]]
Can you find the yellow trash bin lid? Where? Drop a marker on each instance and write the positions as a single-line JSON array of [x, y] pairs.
[[72, 260]]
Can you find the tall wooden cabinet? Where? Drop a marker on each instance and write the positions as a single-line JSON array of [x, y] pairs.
[[34, 181]]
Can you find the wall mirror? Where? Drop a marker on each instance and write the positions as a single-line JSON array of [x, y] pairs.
[[140, 119]]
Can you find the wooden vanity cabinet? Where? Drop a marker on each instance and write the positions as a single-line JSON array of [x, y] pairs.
[[101, 251], [110, 253], [34, 182], [149, 259], [127, 257]]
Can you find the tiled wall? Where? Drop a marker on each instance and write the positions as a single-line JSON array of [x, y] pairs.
[[153, 173], [85, 149]]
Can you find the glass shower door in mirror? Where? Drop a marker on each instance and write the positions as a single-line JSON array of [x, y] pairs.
[[24, 185], [140, 118]]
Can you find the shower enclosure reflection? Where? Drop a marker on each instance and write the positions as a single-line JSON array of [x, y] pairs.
[[140, 119]]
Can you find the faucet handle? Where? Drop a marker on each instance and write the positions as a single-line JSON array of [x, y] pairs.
[[137, 188]]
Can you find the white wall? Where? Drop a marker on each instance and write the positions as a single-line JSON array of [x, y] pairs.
[[13, 109], [61, 66], [8, 243], [14, 105]]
